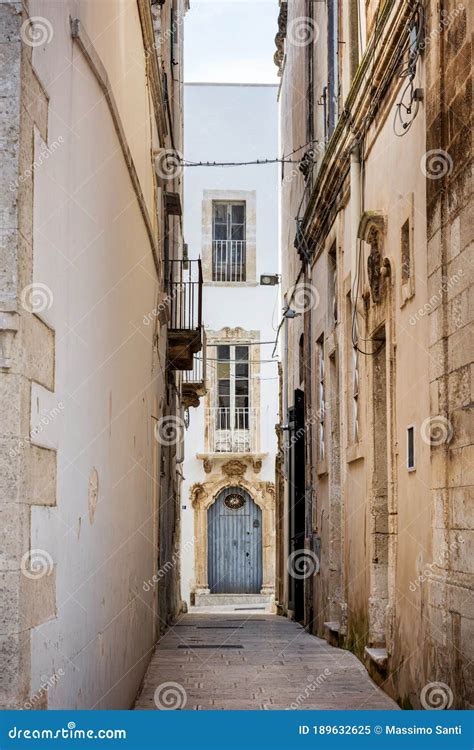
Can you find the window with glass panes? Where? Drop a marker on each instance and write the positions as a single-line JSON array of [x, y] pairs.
[[228, 241], [233, 387], [355, 394], [321, 401]]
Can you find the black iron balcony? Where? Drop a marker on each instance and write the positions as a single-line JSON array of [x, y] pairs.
[[194, 381], [184, 289]]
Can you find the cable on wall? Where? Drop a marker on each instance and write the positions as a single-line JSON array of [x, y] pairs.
[[408, 104]]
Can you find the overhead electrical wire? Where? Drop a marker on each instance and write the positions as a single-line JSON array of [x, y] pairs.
[[238, 361], [244, 343], [285, 159]]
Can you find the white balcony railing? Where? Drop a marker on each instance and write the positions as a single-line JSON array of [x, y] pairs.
[[233, 430], [228, 260]]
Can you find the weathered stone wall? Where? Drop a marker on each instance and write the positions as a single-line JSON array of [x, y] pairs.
[[449, 269], [89, 497], [27, 344], [395, 552]]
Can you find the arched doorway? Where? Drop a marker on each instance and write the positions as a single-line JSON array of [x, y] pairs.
[[234, 530]]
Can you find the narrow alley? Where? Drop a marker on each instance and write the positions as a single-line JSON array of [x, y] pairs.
[[240, 660], [236, 466]]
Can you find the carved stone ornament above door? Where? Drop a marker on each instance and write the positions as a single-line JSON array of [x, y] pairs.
[[372, 229]]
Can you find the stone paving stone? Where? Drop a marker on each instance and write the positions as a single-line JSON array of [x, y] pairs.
[[279, 666]]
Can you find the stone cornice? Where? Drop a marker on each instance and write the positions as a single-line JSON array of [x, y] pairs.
[[152, 68], [279, 55], [369, 87], [231, 463], [230, 334]]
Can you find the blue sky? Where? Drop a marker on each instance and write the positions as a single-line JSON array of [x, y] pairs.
[[231, 41]]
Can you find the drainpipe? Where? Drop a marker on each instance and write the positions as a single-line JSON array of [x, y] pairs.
[[355, 208], [285, 398]]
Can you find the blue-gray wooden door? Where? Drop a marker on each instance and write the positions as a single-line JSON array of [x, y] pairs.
[[234, 544]]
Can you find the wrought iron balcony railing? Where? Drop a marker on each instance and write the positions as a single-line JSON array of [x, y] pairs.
[[184, 286], [228, 260], [184, 289]]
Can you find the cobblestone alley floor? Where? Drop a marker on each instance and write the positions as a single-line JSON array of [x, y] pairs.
[[246, 661]]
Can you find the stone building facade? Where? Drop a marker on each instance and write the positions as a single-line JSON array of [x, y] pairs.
[[90, 382], [374, 512], [228, 551]]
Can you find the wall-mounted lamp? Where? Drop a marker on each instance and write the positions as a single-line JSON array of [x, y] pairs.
[[270, 279]]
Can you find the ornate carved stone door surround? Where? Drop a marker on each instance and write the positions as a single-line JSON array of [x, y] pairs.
[[380, 322], [239, 473]]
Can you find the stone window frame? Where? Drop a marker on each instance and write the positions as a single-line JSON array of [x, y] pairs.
[[249, 197], [333, 311], [410, 468], [234, 336], [321, 399], [407, 214], [354, 448]]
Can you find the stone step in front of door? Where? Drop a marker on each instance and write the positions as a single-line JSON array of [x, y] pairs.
[[234, 602]]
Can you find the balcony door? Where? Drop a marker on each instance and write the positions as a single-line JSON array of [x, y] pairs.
[[232, 415], [228, 242]]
